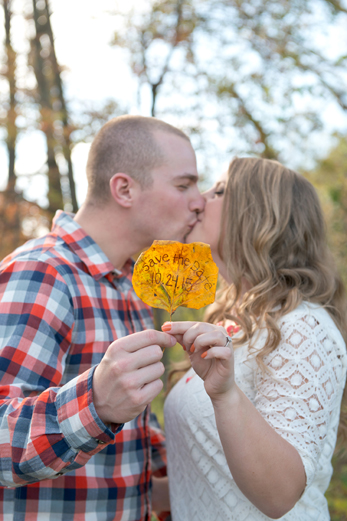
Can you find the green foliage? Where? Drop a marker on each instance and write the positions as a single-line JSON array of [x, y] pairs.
[[337, 491], [330, 179]]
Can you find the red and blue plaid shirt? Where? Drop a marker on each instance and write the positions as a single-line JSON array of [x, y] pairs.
[[61, 305]]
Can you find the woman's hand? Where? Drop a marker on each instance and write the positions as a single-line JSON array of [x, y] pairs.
[[211, 358]]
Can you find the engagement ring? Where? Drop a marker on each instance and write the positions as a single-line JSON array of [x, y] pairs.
[[228, 341]]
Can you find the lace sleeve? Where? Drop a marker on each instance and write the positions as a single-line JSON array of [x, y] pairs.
[[300, 396]]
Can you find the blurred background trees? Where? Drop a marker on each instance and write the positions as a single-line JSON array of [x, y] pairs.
[[263, 77], [255, 77], [260, 76]]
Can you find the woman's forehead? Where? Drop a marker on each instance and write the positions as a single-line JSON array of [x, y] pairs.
[[223, 178]]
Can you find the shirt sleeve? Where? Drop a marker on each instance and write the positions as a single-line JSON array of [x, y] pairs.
[[302, 388], [45, 429]]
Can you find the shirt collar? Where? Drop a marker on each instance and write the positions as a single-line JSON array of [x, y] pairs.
[[86, 248]]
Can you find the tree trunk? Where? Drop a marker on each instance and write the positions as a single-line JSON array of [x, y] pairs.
[[42, 72], [64, 112], [12, 131]]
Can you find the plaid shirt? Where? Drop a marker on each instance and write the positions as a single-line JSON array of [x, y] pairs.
[[61, 305]]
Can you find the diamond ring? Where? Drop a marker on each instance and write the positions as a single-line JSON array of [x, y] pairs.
[[228, 341]]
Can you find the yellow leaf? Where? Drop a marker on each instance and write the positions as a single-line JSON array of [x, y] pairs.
[[171, 274]]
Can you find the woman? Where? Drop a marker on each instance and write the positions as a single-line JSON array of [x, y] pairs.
[[251, 429]]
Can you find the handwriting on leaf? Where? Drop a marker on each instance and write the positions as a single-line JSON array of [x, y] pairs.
[[171, 274]]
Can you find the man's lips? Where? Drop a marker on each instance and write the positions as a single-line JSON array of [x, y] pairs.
[[191, 226]]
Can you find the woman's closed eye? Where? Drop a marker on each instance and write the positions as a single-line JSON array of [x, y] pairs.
[[219, 191]]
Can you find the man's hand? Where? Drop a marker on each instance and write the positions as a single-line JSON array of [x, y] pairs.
[[128, 377]]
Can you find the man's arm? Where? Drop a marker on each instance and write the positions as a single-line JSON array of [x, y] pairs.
[[45, 429]]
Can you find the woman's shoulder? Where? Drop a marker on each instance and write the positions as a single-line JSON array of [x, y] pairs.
[[314, 320], [312, 311]]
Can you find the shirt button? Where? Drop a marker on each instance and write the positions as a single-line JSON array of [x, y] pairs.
[[100, 442], [60, 474]]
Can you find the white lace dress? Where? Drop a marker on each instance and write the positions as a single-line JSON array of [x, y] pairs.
[[300, 400]]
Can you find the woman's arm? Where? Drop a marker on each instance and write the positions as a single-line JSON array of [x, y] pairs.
[[266, 468]]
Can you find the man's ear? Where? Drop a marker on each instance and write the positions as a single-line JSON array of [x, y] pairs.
[[122, 188]]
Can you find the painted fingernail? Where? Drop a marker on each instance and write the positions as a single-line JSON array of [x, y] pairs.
[[192, 348], [204, 354], [230, 329], [184, 347], [236, 329], [166, 327]]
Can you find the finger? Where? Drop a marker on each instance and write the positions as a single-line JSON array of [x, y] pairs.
[[146, 375], [217, 337], [144, 357], [150, 391], [221, 353], [177, 328], [179, 339], [137, 341]]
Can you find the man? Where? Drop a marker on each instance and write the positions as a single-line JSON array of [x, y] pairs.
[[78, 355]]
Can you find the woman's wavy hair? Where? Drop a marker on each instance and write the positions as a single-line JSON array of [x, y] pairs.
[[273, 243]]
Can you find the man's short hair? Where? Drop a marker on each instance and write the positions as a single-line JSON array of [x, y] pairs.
[[126, 144]]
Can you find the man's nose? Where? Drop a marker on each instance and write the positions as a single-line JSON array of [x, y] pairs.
[[198, 204]]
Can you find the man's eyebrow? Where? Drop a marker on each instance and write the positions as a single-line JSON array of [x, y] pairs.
[[192, 177]]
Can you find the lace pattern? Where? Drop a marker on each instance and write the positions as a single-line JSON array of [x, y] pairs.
[[300, 396]]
